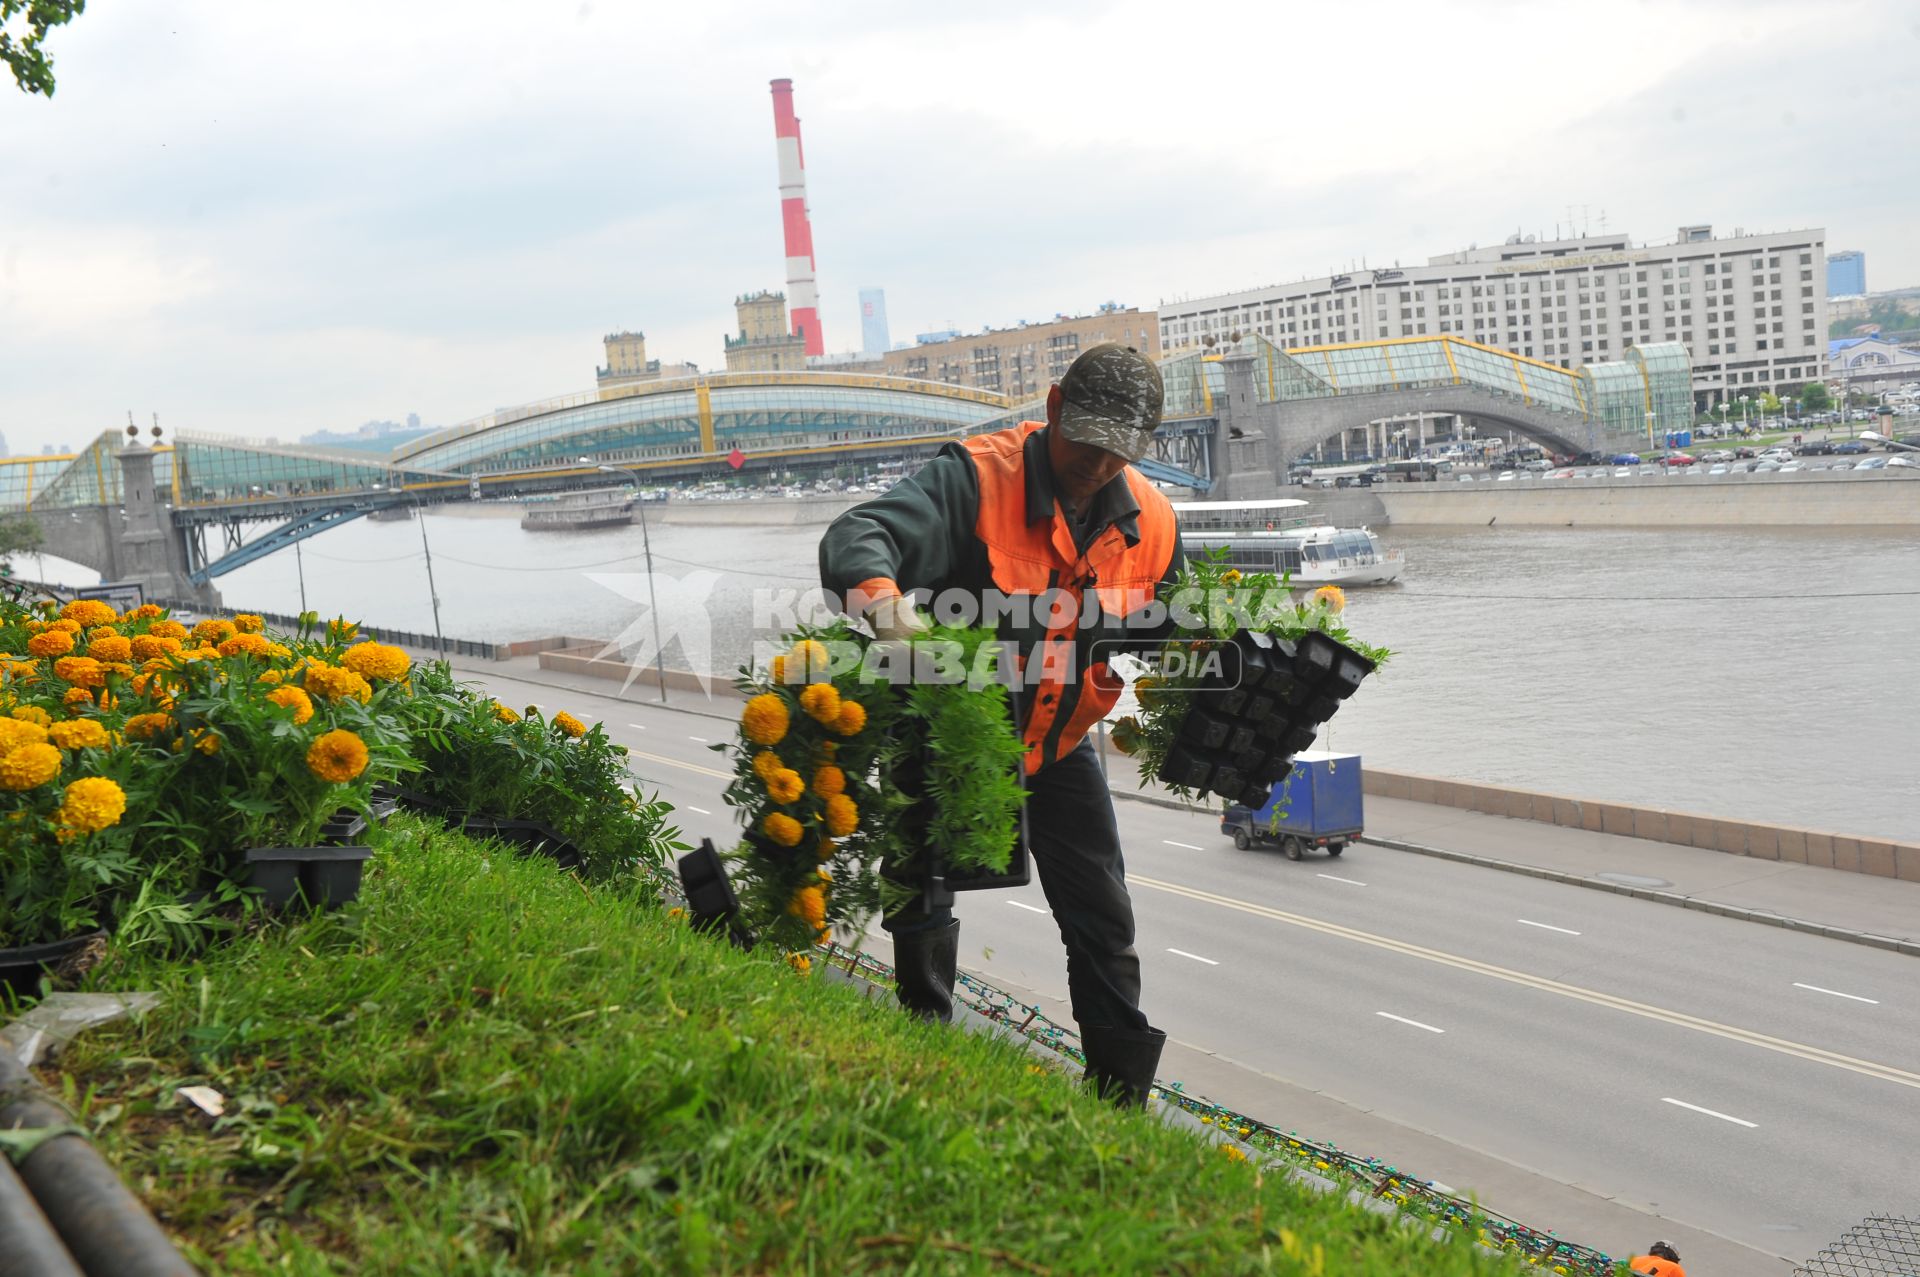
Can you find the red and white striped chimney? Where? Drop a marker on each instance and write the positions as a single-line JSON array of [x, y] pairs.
[[803, 299]]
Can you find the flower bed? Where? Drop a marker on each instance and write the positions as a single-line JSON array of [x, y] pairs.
[[141, 760]]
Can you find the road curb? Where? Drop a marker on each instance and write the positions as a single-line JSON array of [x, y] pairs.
[[1911, 948]]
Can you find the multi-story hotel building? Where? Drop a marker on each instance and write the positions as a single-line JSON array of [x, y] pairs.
[[1022, 361], [1751, 309]]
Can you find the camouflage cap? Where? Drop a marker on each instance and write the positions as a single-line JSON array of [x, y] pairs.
[[1111, 398]]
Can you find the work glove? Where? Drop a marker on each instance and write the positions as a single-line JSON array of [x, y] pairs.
[[894, 618]]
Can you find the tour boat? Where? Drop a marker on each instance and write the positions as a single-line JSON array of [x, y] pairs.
[[598, 508], [1256, 538]]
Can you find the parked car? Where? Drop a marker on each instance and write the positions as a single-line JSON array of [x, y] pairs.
[[1872, 463], [1849, 448], [1778, 454], [1900, 462], [1744, 454], [1677, 459], [1765, 466], [1816, 448], [1624, 459]]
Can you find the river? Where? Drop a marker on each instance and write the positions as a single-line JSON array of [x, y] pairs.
[[1762, 674]]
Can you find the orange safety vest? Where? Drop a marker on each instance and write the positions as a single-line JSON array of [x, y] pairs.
[[1654, 1266], [1032, 558]]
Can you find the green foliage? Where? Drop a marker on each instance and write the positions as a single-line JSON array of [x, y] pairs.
[[1890, 315], [23, 53], [1814, 397], [482, 1069], [18, 535]]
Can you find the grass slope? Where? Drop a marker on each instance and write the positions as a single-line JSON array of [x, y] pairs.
[[486, 1067]]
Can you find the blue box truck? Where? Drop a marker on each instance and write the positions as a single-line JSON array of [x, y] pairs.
[[1318, 805]]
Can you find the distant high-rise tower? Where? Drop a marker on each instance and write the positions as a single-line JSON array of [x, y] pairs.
[[873, 322], [803, 298], [1846, 274]]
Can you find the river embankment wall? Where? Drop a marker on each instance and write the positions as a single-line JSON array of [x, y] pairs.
[[1698, 501]]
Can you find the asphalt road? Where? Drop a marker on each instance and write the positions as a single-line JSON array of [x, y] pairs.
[[1755, 1082]]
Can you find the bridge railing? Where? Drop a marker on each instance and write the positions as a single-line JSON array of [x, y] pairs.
[[403, 638]]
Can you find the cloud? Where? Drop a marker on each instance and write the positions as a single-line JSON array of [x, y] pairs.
[[269, 220]]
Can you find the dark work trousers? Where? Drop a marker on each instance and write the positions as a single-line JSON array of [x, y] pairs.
[[1076, 846]]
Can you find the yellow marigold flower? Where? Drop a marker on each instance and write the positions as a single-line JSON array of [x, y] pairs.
[[26, 766], [294, 699], [811, 658], [269, 677], [19, 671], [676, 914], [1126, 735], [809, 904], [337, 756], [1230, 577], [779, 669], [853, 717], [786, 786], [821, 701], [78, 733], [569, 724], [17, 731], [147, 726], [826, 849], [87, 613], [504, 714], [340, 630], [782, 828], [1233, 1153], [64, 626], [800, 962], [30, 714], [765, 720], [244, 643], [91, 804], [167, 629], [333, 683], [278, 651], [765, 764], [829, 780], [146, 612], [823, 935], [377, 660], [81, 671], [207, 742], [248, 622], [1332, 597], [76, 697], [842, 815], [50, 643], [214, 632]]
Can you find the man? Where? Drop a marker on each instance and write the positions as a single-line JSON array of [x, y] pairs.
[[1042, 510], [1661, 1260]]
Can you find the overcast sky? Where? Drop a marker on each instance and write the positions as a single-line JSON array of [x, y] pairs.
[[267, 219]]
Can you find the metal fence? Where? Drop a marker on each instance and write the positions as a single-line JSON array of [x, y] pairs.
[[1878, 1246], [405, 638]]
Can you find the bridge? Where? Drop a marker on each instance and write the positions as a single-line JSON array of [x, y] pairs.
[[177, 516], [1267, 405]]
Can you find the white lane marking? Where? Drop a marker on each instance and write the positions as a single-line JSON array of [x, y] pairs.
[[1021, 904], [1545, 926], [702, 810], [1737, 1121], [1189, 846], [1415, 1023], [701, 739], [638, 727], [1196, 957], [1836, 993], [664, 761], [1351, 882]]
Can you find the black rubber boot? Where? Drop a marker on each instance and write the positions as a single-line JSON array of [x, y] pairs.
[[1121, 1062], [924, 963]]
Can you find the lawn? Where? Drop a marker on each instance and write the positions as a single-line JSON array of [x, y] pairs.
[[486, 1066]]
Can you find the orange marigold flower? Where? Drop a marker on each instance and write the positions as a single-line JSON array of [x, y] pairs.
[[810, 905], [81, 671], [78, 733], [30, 714], [821, 701], [569, 724], [64, 626], [842, 815], [76, 697], [146, 612], [853, 717], [765, 764], [826, 849], [377, 660], [244, 643], [17, 731], [214, 632], [800, 962], [810, 659], [294, 699], [270, 677], [1332, 597], [765, 720], [779, 669], [782, 828], [504, 714], [249, 622], [339, 630], [167, 629], [50, 643], [28, 766], [147, 726], [334, 683], [786, 786], [829, 780], [87, 613], [337, 756]]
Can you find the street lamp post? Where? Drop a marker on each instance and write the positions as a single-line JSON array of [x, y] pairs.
[[646, 544], [433, 592], [1745, 424], [1649, 429]]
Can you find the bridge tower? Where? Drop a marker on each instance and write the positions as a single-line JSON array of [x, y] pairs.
[[153, 551]]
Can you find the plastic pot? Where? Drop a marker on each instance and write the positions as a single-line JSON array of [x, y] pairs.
[[323, 877], [22, 967], [528, 837], [343, 827]]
